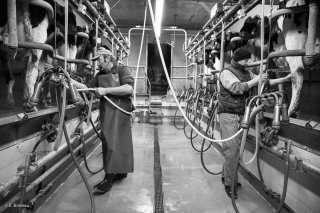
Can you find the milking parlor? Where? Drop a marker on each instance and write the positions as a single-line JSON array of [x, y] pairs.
[[159, 106]]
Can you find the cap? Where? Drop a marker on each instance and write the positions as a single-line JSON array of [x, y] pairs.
[[241, 54], [102, 51]]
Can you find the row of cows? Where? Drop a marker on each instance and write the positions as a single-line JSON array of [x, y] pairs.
[[34, 25], [287, 32]]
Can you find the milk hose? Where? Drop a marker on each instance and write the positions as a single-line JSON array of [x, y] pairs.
[[188, 112], [139, 56], [216, 146], [84, 149], [115, 105], [79, 168], [173, 93], [182, 92]]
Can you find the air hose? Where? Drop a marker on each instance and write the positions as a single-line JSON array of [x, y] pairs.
[[173, 93]]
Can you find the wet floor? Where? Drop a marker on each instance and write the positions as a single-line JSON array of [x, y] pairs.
[[187, 187]]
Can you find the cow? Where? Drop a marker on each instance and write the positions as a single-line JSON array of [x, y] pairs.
[[289, 32], [32, 25]]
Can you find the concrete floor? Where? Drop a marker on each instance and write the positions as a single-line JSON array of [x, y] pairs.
[[187, 187]]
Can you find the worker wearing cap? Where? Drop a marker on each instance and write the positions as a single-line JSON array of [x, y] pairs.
[[116, 82], [235, 84]]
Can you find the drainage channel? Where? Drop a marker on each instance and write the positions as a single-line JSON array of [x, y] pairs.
[[158, 193]]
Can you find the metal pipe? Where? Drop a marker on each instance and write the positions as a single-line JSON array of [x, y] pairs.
[[225, 17], [287, 53], [304, 164], [5, 188], [310, 56], [297, 9], [45, 175], [12, 24], [25, 182], [35, 45], [74, 61], [45, 5]]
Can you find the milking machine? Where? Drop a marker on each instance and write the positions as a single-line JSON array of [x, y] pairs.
[[58, 77]]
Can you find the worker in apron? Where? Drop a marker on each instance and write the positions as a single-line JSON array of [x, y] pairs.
[[116, 82]]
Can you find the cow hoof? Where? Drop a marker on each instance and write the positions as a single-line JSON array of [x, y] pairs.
[[295, 114], [29, 107], [10, 103]]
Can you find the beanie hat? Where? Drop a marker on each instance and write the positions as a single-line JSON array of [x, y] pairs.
[[241, 54]]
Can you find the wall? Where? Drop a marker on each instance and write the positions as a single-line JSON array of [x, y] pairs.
[[179, 72]]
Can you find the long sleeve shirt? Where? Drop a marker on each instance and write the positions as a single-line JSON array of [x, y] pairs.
[[230, 82]]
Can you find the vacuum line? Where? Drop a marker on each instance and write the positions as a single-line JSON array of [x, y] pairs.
[[173, 92]]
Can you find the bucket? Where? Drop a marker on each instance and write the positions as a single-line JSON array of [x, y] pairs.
[[144, 116]]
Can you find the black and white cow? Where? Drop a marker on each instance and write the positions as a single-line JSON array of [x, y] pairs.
[[288, 32], [32, 25]]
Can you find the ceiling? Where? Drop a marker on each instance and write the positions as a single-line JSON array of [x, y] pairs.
[[185, 14]]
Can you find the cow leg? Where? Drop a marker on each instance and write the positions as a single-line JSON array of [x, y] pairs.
[[297, 82], [39, 34], [72, 55], [10, 98]]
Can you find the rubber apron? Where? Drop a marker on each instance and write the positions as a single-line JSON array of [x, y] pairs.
[[116, 129]]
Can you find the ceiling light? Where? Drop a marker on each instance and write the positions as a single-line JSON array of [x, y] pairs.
[[159, 10]]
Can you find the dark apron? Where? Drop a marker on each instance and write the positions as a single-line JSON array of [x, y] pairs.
[[116, 129]]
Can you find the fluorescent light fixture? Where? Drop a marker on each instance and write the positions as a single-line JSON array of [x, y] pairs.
[[159, 9]]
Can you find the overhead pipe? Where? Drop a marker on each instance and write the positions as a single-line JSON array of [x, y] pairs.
[[97, 16], [12, 24], [225, 17], [311, 54]]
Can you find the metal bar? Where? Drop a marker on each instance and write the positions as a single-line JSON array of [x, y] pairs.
[[73, 61], [5, 188], [35, 45], [259, 186], [287, 53], [234, 9], [51, 170], [12, 23], [297, 9], [45, 5], [97, 15]]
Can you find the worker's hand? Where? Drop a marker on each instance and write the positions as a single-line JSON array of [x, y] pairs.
[[101, 91], [264, 78], [288, 77]]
